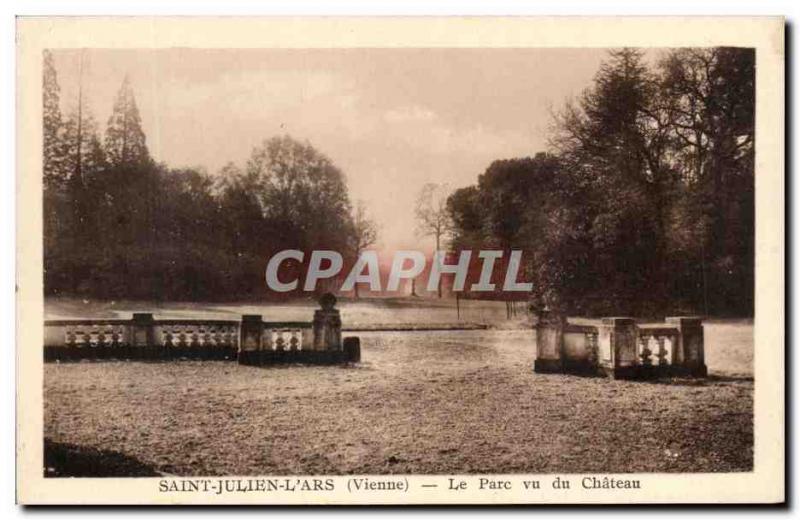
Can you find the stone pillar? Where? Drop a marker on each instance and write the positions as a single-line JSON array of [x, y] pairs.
[[617, 346], [143, 335], [549, 342], [689, 350], [327, 325], [250, 332]]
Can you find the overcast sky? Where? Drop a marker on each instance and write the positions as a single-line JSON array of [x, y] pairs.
[[391, 119]]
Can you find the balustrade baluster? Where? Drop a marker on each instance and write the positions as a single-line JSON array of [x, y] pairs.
[[645, 352], [267, 341], [662, 351], [592, 347]]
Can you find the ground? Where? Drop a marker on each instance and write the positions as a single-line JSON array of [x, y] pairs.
[[419, 402]]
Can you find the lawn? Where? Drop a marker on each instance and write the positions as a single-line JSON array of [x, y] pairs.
[[420, 402]]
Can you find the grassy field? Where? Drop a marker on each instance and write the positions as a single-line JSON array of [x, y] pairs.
[[420, 402]]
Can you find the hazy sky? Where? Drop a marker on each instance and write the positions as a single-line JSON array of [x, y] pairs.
[[391, 119]]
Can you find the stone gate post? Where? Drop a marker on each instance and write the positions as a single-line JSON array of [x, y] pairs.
[[327, 325], [549, 342], [250, 331], [617, 346], [689, 352], [143, 335]]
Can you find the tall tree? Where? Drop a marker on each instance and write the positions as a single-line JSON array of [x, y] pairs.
[[125, 139], [712, 122], [303, 195], [56, 205], [617, 139], [511, 208], [240, 210], [133, 177], [364, 234], [467, 218], [83, 148], [432, 216], [85, 156], [54, 167]]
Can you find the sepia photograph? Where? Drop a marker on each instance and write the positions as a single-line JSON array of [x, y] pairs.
[[265, 266]]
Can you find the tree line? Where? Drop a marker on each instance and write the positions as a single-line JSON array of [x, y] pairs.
[[118, 224], [644, 203]]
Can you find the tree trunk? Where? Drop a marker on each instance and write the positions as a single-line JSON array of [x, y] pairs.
[[439, 285]]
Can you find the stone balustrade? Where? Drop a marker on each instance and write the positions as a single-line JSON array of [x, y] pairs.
[[251, 340], [620, 347]]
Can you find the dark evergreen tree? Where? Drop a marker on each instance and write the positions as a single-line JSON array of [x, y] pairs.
[[125, 140]]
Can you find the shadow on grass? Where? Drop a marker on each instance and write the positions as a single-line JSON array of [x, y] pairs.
[[68, 460]]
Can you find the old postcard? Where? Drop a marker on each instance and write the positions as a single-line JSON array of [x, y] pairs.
[[400, 260]]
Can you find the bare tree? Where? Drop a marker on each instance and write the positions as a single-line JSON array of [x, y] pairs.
[[365, 232], [433, 219]]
